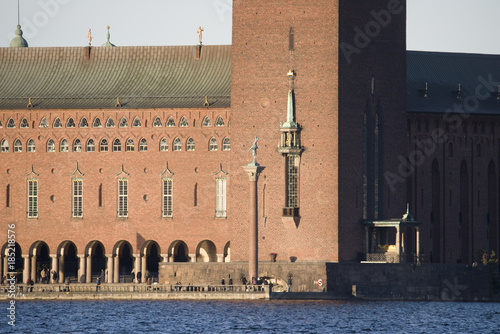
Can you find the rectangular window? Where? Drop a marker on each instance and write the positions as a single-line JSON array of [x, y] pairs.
[[32, 199], [220, 197], [292, 196], [167, 198], [7, 196], [122, 198], [78, 198]]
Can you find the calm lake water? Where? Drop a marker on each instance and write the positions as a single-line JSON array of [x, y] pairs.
[[252, 317]]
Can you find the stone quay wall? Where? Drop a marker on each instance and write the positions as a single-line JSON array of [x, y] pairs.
[[446, 282], [305, 276]]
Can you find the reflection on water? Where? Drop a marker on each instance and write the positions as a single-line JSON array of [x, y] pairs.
[[252, 317]]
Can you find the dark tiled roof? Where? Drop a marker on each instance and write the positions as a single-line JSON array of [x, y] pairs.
[[141, 77], [443, 72]]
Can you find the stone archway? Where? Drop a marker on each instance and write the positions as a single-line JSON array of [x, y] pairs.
[[123, 262], [206, 252], [178, 252], [13, 250], [40, 260], [151, 258], [68, 261], [96, 261]]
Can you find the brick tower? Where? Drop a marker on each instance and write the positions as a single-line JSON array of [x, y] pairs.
[[345, 94]]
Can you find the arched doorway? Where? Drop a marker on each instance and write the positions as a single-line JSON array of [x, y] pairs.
[[68, 262], [178, 251], [10, 250], [124, 262], [96, 261], [151, 259], [40, 260], [206, 252]]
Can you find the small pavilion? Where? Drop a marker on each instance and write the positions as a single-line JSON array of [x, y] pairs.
[[393, 240]]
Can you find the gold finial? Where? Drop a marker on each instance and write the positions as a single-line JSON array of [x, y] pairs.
[[118, 104], [426, 93], [89, 35], [200, 34], [459, 95], [206, 104], [108, 27], [30, 105]]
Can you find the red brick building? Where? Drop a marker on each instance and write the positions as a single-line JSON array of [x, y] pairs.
[[117, 158]]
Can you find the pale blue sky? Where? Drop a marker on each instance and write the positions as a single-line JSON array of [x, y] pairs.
[[434, 25]]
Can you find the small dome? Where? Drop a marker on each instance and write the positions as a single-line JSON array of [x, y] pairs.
[[19, 41], [108, 43]]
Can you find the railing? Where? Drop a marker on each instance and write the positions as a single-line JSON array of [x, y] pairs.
[[393, 258], [138, 288]]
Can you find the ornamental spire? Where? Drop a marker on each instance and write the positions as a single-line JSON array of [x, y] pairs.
[[290, 119]]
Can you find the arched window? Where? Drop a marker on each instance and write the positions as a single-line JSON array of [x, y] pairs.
[[103, 145], [212, 145], [219, 121], [136, 123], [24, 124], [183, 122], [90, 145], [11, 124], [143, 145], [177, 145], [63, 147], [170, 122], [70, 123], [206, 122], [123, 123], [117, 145], [4, 146], [18, 146], [77, 145], [163, 145], [84, 123], [57, 123], [129, 145], [30, 147], [190, 144], [226, 145], [97, 123], [110, 123], [157, 122], [51, 146], [43, 123]]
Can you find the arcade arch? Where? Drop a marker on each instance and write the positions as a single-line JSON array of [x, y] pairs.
[[178, 252], [206, 252], [40, 260], [68, 261], [96, 261], [123, 262], [150, 259]]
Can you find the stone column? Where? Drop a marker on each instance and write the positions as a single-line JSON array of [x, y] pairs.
[[26, 270], [88, 272], [253, 170], [116, 276], [110, 268], [220, 257], [164, 258], [417, 232], [33, 268], [137, 265], [367, 241], [193, 257], [143, 269], [54, 266], [61, 268], [398, 243], [81, 269]]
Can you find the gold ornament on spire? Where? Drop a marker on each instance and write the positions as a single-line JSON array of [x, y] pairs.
[[90, 37]]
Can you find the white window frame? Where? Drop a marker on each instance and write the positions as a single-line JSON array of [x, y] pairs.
[[220, 197], [32, 200], [167, 197], [122, 204], [30, 146], [77, 198]]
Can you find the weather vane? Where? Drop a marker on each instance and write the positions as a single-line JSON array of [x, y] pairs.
[[90, 37]]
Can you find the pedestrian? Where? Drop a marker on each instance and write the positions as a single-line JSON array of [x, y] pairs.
[[222, 281], [43, 274], [132, 273], [98, 283], [67, 283], [289, 283], [54, 276], [139, 276]]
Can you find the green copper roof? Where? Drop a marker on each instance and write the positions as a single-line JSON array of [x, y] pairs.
[[18, 41], [108, 43], [141, 77]]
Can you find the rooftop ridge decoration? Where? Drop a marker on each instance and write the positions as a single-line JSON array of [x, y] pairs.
[[108, 43]]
